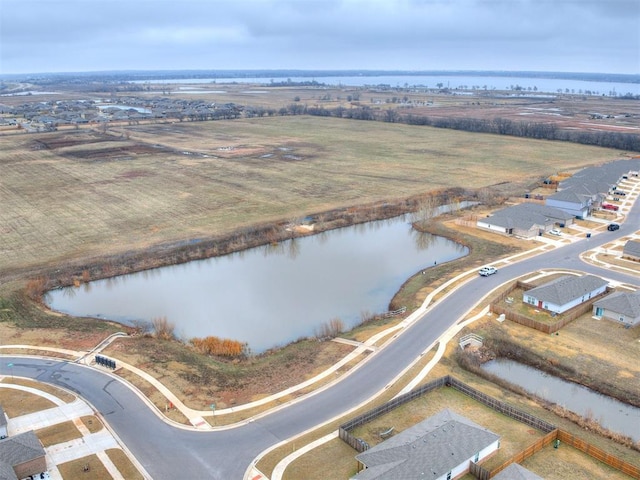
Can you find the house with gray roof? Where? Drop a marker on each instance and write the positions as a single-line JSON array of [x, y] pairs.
[[574, 201], [439, 448], [631, 250], [621, 307], [525, 220], [516, 472], [566, 292], [21, 456]]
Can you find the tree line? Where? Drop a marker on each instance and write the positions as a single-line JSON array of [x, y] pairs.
[[499, 126]]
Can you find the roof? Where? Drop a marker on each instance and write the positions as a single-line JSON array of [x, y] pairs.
[[571, 196], [567, 288], [632, 248], [431, 448], [624, 303], [527, 215], [516, 472], [20, 448]]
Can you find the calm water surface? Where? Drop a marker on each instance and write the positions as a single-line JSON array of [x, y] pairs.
[[272, 295], [608, 412]]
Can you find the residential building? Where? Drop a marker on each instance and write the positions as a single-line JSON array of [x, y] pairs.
[[621, 307], [525, 220], [439, 448], [21, 456], [561, 294], [631, 250]]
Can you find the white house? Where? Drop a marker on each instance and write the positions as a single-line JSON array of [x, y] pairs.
[[566, 292], [622, 307], [439, 448]]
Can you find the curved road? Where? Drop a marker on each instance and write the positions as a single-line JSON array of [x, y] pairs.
[[168, 452]]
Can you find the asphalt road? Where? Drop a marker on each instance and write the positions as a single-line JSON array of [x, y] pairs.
[[168, 452]]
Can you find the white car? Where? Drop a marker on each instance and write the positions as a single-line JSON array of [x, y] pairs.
[[486, 271], [555, 231]]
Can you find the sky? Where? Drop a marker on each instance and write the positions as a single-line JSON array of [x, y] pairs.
[[511, 35]]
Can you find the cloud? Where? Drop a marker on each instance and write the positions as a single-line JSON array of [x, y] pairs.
[[577, 35]]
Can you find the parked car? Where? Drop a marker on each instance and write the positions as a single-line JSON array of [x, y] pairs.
[[621, 193], [609, 206], [486, 271], [555, 231], [612, 227]]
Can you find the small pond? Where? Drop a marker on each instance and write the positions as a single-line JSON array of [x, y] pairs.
[[608, 412], [272, 295]]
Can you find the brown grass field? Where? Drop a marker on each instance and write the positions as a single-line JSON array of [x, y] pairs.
[[80, 194]]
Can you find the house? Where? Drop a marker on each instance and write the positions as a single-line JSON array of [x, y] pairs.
[[566, 292], [623, 307], [516, 472], [439, 448], [576, 202], [21, 456], [631, 250], [525, 220], [3, 425]]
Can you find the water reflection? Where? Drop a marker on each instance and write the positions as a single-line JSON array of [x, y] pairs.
[[274, 294], [610, 413]]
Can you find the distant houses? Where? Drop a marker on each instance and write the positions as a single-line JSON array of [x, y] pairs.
[[561, 294], [576, 197], [439, 448]]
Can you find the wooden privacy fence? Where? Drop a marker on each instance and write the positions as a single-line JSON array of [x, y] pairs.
[[599, 454], [526, 453], [545, 327], [552, 433]]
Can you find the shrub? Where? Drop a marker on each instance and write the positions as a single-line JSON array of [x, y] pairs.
[[219, 346], [163, 328]]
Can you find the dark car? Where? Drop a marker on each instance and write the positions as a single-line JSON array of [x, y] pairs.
[[620, 193], [612, 227]]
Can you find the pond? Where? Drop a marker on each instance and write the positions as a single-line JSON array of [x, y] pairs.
[[610, 413], [272, 295]]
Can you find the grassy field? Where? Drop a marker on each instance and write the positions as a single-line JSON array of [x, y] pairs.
[[80, 194]]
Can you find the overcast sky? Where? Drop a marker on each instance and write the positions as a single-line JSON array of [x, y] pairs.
[[537, 35]]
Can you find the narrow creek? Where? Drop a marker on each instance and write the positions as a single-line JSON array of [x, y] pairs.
[[610, 413]]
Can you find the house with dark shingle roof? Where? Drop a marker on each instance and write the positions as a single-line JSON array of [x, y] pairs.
[[516, 472], [631, 250], [622, 307], [439, 448], [566, 292], [525, 220], [21, 456]]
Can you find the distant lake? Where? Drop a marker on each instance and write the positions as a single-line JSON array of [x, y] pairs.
[[546, 85], [272, 295]]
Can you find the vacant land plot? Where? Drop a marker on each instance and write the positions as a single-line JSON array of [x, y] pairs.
[[79, 194]]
